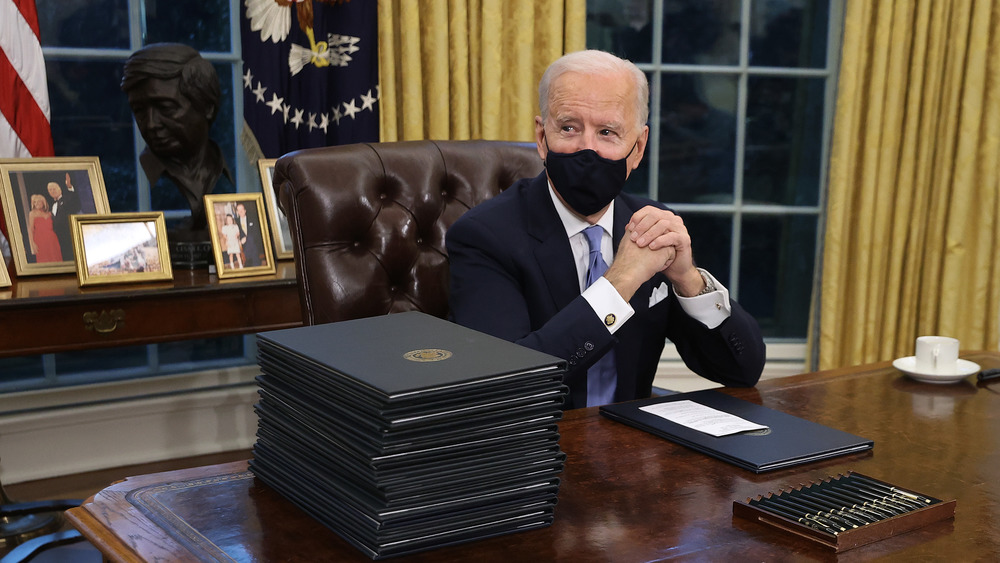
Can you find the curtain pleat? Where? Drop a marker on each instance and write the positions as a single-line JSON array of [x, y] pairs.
[[469, 69], [910, 246]]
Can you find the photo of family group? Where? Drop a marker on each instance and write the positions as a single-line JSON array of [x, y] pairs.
[[39, 197], [240, 238], [121, 247]]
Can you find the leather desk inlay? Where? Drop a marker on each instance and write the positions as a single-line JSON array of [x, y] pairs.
[[165, 505]]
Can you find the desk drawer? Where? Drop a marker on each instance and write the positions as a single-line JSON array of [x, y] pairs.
[[146, 318]]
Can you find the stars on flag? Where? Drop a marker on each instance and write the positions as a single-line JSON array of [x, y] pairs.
[[258, 92], [277, 104]]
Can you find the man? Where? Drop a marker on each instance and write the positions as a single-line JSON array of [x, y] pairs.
[[64, 203], [251, 236], [174, 95], [520, 261]]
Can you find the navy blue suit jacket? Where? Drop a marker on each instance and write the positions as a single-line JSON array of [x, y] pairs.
[[513, 276]]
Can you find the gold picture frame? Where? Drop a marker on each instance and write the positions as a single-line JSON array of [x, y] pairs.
[[4, 276], [240, 250], [26, 183], [281, 234], [121, 248]]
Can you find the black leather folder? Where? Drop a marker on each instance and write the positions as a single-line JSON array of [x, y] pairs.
[[404, 357], [789, 440]]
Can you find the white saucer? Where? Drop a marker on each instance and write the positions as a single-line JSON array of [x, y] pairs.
[[908, 365]]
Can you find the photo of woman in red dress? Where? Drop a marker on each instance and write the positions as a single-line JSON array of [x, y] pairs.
[[41, 234]]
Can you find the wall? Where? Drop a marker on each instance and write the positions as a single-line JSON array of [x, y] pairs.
[[77, 429]]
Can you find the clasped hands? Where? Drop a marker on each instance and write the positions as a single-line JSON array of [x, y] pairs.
[[655, 240]]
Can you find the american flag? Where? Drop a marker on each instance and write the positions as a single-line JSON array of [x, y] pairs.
[[24, 96], [310, 74]]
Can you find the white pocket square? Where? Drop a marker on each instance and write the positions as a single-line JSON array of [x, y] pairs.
[[659, 294]]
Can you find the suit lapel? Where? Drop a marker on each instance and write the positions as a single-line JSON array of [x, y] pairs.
[[552, 252]]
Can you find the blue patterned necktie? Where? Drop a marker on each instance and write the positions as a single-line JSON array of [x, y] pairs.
[[601, 377]]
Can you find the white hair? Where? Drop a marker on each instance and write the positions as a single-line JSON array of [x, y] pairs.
[[595, 62]]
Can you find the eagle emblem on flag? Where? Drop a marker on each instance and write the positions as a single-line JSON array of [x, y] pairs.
[[273, 19], [310, 73]]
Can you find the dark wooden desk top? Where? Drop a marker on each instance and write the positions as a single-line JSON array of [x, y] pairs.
[[627, 495], [46, 314]]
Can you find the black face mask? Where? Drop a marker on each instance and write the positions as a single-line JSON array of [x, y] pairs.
[[586, 181]]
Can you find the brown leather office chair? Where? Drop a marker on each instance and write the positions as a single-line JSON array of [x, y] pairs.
[[368, 221]]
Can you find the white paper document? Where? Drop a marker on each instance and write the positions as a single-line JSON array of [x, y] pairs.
[[701, 418]]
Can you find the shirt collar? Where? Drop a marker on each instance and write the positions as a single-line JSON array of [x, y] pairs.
[[154, 167], [574, 224]]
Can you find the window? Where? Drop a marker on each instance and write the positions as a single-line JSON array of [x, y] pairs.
[[85, 44], [741, 96]]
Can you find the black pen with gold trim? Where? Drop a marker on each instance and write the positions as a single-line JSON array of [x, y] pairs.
[[908, 494], [781, 511]]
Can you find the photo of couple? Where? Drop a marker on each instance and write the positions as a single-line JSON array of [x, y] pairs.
[[39, 197], [49, 236]]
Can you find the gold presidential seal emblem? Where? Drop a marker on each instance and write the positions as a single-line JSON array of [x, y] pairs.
[[427, 355]]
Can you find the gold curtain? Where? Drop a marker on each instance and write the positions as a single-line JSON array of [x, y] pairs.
[[913, 224], [469, 69]]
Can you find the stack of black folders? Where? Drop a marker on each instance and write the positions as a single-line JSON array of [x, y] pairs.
[[406, 432]]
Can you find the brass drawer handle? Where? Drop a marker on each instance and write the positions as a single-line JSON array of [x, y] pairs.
[[105, 321]]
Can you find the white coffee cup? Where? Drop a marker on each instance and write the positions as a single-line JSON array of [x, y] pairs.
[[937, 354]]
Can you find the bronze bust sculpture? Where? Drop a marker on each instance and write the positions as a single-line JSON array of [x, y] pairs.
[[174, 95]]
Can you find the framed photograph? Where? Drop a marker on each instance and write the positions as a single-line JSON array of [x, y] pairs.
[[121, 248], [39, 195], [282, 235], [4, 276], [240, 237]]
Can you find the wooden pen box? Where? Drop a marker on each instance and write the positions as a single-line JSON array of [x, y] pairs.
[[846, 511]]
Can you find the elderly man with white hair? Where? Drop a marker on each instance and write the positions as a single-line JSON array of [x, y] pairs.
[[567, 264]]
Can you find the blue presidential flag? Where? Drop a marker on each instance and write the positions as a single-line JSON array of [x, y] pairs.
[[310, 73]]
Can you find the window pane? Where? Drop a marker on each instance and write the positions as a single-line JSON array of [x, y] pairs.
[[101, 361], [83, 23], [621, 27], [697, 138], [17, 374], [202, 24], [209, 349], [789, 34], [783, 140], [91, 117], [110, 364], [711, 242], [776, 272], [694, 31], [700, 32]]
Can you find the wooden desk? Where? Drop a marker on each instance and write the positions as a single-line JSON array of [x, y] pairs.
[[627, 495], [46, 314]]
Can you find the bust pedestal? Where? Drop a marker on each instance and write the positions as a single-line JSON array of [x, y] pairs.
[[190, 250]]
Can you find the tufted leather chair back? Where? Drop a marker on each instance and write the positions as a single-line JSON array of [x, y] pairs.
[[368, 221]]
